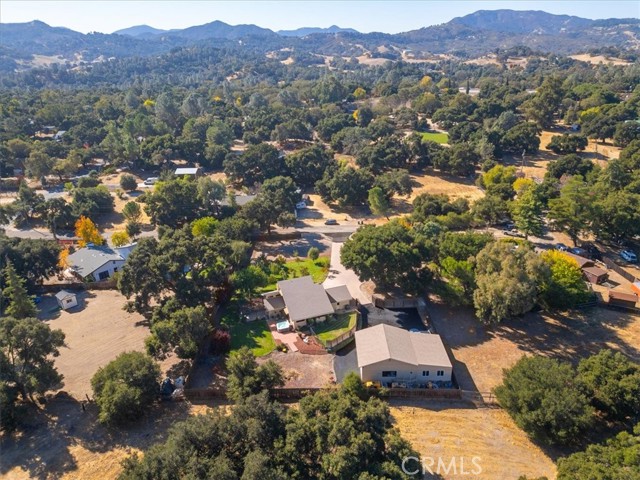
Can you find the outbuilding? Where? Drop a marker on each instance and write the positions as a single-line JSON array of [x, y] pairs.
[[595, 275], [66, 299], [622, 299]]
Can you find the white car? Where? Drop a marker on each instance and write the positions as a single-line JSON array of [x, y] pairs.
[[629, 256], [150, 181]]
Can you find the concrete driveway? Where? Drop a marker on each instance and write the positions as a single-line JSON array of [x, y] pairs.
[[340, 275]]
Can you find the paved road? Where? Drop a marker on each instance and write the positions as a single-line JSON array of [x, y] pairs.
[[46, 235], [340, 275]]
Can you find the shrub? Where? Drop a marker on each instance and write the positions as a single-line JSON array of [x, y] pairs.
[[128, 182], [313, 253]]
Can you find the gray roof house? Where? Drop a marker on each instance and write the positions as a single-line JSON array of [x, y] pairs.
[[388, 354], [301, 300], [95, 263]]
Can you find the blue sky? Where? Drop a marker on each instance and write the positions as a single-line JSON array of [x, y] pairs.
[[366, 16]]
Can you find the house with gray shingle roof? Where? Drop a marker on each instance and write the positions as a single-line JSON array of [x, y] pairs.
[[388, 354], [302, 301], [96, 263]]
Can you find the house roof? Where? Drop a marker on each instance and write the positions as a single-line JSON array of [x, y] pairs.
[[339, 293], [595, 271], [62, 294], [274, 303], [87, 260], [186, 171], [384, 342], [582, 262], [304, 299], [627, 297]]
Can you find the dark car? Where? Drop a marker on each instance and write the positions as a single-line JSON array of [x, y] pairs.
[[592, 251], [579, 251], [561, 246], [331, 221]]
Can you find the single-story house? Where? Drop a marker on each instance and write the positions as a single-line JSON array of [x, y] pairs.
[[622, 299], [66, 299], [388, 354], [302, 301], [94, 264], [195, 172], [595, 275]]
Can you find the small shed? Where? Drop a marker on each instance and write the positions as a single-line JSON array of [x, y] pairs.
[[622, 299], [595, 275], [66, 299]]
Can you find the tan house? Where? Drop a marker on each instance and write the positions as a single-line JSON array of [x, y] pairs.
[[304, 302], [392, 355]]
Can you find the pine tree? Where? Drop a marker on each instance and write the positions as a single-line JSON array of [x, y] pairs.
[[19, 304]]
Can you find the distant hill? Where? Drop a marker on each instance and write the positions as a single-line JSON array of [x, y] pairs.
[[219, 29], [139, 30], [473, 35], [304, 31]]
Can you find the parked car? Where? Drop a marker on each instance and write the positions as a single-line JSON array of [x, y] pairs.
[[301, 205], [561, 246], [331, 221], [150, 181], [508, 226], [514, 233], [629, 256], [579, 251], [592, 251]]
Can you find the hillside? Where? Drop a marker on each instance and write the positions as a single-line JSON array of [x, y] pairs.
[[473, 35]]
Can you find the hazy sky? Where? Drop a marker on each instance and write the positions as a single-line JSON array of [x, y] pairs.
[[389, 16]]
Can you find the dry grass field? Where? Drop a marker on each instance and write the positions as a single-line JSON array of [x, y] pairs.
[[597, 59], [457, 430]]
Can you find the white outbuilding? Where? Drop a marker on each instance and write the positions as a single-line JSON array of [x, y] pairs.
[[66, 299]]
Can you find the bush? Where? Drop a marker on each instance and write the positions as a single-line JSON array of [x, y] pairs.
[[128, 182], [88, 182], [125, 387], [220, 342], [313, 253]]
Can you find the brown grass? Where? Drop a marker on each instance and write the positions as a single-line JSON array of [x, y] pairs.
[[597, 59], [449, 429]]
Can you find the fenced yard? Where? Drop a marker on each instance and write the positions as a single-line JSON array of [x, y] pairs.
[[336, 330], [318, 269]]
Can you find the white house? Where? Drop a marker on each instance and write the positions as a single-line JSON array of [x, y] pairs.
[[303, 301], [389, 355], [66, 299], [190, 172], [94, 264]]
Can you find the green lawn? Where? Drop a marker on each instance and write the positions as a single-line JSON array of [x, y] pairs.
[[332, 329], [435, 137], [255, 335], [299, 268]]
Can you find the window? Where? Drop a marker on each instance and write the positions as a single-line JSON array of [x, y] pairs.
[[115, 269], [440, 373], [389, 373], [103, 275], [425, 373]]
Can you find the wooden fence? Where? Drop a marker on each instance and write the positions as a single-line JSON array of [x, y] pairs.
[[619, 270]]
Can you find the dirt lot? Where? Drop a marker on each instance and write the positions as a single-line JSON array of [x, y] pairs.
[[96, 332], [303, 371], [481, 353], [450, 429]]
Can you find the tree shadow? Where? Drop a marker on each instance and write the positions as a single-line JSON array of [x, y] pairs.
[[42, 447], [289, 247]]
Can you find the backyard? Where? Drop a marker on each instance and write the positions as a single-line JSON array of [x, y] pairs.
[[332, 329], [318, 269], [255, 335]]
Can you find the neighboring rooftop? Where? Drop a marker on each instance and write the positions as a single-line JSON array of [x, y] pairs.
[[304, 299], [62, 294], [187, 171], [87, 260], [582, 262], [384, 342]]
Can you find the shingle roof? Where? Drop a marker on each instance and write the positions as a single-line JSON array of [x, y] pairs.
[[304, 299], [384, 342], [339, 293], [87, 260], [273, 304]]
